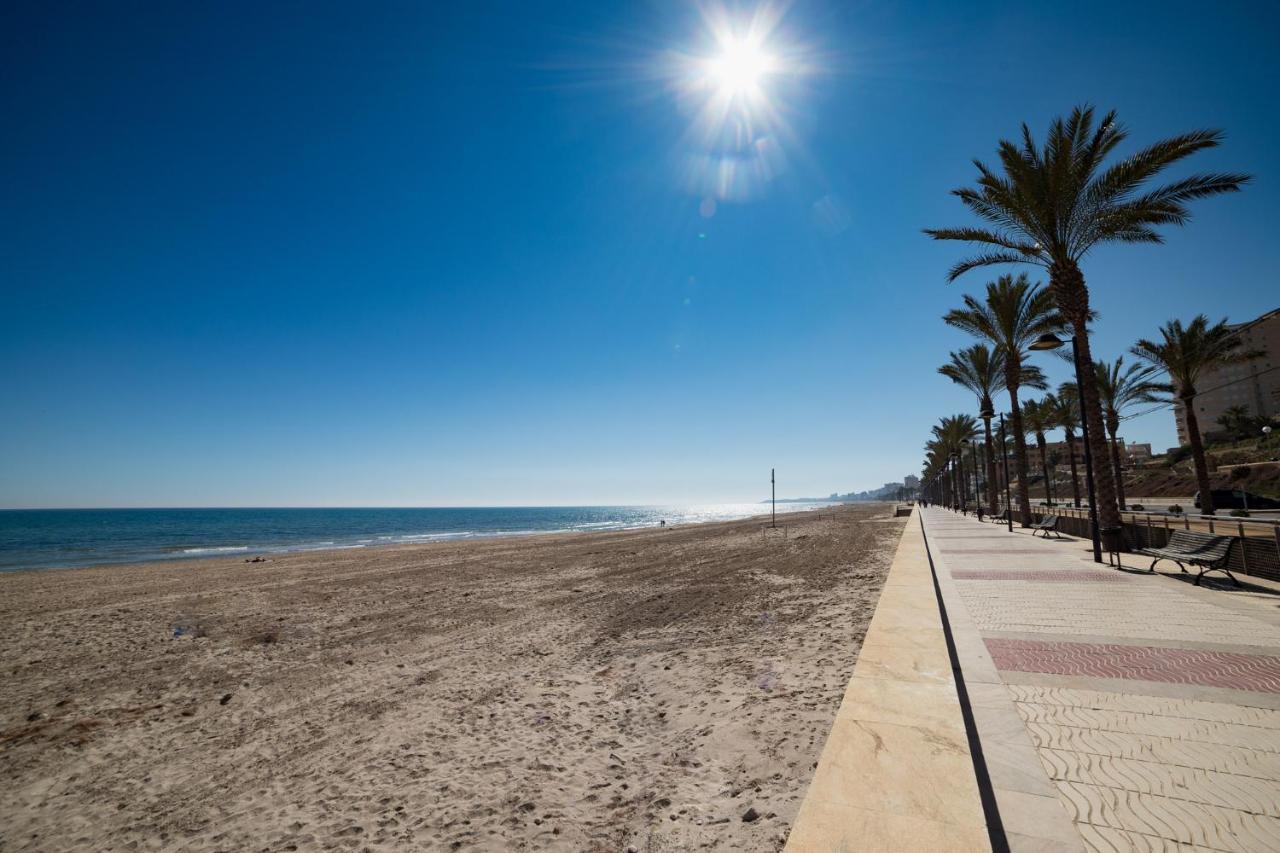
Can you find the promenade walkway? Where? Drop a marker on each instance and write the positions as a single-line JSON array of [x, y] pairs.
[[1115, 709]]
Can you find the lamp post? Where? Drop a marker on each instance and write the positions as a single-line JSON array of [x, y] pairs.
[[1004, 463], [952, 500], [967, 444], [961, 489], [1051, 341], [955, 483]]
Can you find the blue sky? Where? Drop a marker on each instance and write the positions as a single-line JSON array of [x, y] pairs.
[[457, 254]]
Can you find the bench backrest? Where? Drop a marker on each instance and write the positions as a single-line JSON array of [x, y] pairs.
[[1204, 546]]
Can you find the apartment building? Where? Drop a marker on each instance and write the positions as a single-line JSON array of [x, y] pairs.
[[1254, 384]]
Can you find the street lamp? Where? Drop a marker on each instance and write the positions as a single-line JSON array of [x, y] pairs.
[[1004, 463], [967, 444], [957, 479], [1050, 341]]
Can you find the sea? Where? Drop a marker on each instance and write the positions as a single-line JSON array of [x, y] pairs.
[[70, 538]]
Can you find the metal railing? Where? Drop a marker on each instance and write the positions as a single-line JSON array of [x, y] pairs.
[[1256, 553]]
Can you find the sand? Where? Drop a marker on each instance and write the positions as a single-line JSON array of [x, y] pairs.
[[658, 689]]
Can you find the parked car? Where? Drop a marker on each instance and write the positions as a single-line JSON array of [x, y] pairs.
[[1236, 499]]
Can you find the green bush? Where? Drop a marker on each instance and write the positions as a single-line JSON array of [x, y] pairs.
[[1175, 509], [1239, 513], [1137, 507], [1239, 473], [1173, 457]]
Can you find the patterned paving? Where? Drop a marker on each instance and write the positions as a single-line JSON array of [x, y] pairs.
[[1047, 575], [1164, 772], [1149, 773], [1147, 663]]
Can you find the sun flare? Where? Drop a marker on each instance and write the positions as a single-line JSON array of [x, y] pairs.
[[740, 66]]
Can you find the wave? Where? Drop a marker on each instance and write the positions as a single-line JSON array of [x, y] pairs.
[[219, 549]]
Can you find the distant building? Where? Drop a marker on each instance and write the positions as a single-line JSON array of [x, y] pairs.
[[911, 481], [1254, 384], [1138, 452]]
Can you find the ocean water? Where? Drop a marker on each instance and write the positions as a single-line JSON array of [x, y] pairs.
[[67, 538]]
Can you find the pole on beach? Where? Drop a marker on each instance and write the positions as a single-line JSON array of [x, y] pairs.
[[773, 487]]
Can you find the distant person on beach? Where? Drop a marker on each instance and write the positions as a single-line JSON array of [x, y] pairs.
[[662, 523]]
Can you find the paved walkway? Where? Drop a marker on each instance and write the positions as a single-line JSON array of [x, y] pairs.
[[1116, 710]]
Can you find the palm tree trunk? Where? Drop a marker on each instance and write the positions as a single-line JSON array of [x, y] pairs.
[[1014, 370], [990, 466], [1113, 427], [1044, 467], [1197, 453], [1072, 296], [1075, 476]]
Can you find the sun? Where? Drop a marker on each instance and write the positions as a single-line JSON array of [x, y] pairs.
[[737, 81], [740, 67]]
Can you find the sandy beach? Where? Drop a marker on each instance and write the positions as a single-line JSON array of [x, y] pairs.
[[657, 689]]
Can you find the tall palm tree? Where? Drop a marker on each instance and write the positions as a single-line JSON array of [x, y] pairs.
[[1186, 353], [1037, 418], [1067, 416], [1014, 313], [981, 370], [1055, 203], [1119, 389]]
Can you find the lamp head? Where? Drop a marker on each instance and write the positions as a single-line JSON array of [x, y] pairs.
[[1046, 341]]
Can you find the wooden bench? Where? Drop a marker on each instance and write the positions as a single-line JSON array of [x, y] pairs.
[[1205, 551], [1046, 525]]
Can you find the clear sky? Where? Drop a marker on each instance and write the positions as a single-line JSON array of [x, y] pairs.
[[465, 253]]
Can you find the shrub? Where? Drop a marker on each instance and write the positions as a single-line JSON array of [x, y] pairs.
[[1177, 455], [1239, 513], [1240, 472], [1137, 507], [1175, 509]]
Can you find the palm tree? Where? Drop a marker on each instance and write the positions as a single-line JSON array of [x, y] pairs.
[[1014, 313], [1118, 390], [981, 370], [1055, 203], [1186, 353], [934, 462], [1067, 416], [1239, 422], [1037, 418], [952, 434]]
